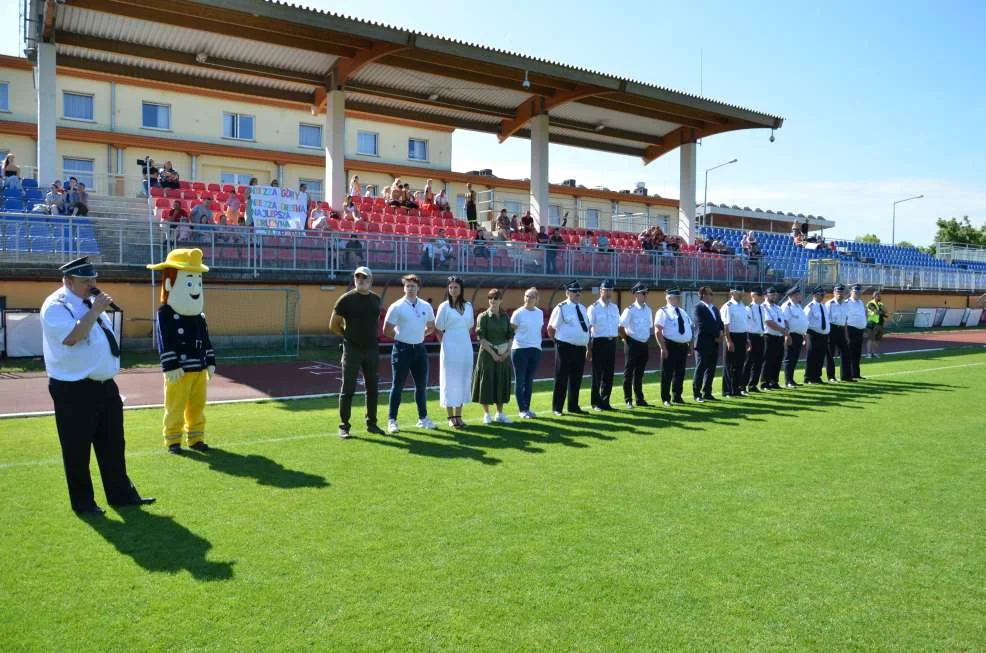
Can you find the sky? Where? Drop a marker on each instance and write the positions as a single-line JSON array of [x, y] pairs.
[[881, 100]]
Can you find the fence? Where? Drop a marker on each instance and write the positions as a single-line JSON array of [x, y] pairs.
[[960, 252], [896, 277]]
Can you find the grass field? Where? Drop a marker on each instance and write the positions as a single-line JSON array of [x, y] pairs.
[[828, 518]]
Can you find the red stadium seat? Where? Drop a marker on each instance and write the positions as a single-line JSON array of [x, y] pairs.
[[399, 219], [198, 185], [386, 219], [195, 203], [162, 202], [372, 227], [215, 188], [214, 206], [157, 191], [413, 230], [184, 185], [387, 228], [240, 190], [173, 194], [400, 229]]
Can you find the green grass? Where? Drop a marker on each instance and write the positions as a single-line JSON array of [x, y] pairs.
[[829, 518]]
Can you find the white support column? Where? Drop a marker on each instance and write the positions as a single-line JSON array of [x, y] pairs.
[[334, 190], [539, 170], [47, 159], [193, 174], [686, 216]]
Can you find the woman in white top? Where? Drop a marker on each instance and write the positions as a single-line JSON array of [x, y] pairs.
[[526, 351], [355, 190], [453, 322]]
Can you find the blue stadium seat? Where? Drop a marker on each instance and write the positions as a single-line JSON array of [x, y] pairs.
[[10, 191], [13, 204], [29, 183]]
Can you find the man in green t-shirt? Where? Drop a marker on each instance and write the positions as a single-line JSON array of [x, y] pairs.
[[876, 315], [354, 318]]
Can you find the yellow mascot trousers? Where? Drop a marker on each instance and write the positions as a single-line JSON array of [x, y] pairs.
[[184, 408]]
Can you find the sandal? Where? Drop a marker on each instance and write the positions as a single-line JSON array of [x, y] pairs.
[[459, 424]]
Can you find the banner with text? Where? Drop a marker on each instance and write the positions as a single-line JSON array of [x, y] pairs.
[[277, 209]]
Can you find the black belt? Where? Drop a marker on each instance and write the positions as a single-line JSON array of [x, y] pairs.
[[604, 337], [82, 381]]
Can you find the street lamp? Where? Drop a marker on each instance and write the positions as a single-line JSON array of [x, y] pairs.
[[705, 200], [893, 222]]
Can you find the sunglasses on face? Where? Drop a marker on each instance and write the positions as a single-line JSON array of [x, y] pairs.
[[362, 276]]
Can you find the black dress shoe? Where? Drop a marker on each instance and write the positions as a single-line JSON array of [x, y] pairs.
[[608, 408], [643, 403], [677, 400], [699, 400], [752, 389], [90, 512], [710, 398], [577, 411], [848, 380], [175, 449], [667, 404], [859, 378], [374, 429], [201, 447], [145, 501]]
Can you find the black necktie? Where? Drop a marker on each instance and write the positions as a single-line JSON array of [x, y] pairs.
[[114, 347], [581, 319], [759, 318], [821, 307], [681, 320]]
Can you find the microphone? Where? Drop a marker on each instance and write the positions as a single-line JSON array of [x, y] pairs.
[[97, 291]]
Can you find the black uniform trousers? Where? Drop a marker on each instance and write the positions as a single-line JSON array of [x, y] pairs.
[[791, 356], [856, 350], [89, 416], [636, 354], [838, 343], [754, 361], [355, 359], [817, 351], [603, 362], [772, 357], [673, 370], [569, 368], [706, 359], [732, 371]]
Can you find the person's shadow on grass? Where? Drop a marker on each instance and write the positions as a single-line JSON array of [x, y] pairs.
[[159, 543], [263, 469], [430, 448]]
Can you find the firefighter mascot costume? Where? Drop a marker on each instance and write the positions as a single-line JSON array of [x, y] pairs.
[[187, 358]]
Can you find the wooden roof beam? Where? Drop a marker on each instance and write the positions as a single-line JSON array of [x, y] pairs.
[[539, 104], [404, 60], [684, 135], [48, 24]]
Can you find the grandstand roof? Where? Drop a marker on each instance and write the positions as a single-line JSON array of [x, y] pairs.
[[271, 49]]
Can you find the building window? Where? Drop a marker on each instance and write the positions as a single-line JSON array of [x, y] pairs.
[[314, 188], [460, 207], [366, 143], [77, 106], [238, 126], [554, 214], [81, 169], [513, 207], [236, 178], [310, 135], [155, 116], [663, 221], [4, 96], [591, 219], [417, 149]]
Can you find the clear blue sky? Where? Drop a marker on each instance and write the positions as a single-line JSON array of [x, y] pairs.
[[881, 100]]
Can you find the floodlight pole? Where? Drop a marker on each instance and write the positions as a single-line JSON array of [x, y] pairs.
[[705, 198], [893, 219]]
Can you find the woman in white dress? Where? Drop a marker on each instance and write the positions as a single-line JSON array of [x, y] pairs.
[[453, 323]]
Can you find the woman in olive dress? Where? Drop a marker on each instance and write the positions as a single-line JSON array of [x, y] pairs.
[[491, 380]]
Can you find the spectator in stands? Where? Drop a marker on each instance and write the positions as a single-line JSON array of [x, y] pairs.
[[168, 177], [55, 199], [395, 197], [719, 247], [555, 243], [78, 201], [436, 253], [833, 247], [527, 222], [673, 243], [349, 211], [201, 214], [303, 196], [441, 201], [586, 242], [318, 219], [175, 217], [749, 238], [354, 252], [804, 230], [233, 205], [429, 195], [10, 172], [470, 202], [149, 173], [354, 187], [369, 191], [502, 234], [646, 241], [514, 224], [602, 243], [416, 201], [798, 239], [564, 220], [275, 183], [479, 248], [503, 221], [542, 238]]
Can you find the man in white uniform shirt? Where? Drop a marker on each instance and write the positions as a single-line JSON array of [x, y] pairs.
[[838, 337], [82, 356], [408, 321], [753, 365], [604, 327], [569, 327], [673, 330], [734, 320], [856, 326], [775, 332], [635, 327], [819, 327], [797, 326]]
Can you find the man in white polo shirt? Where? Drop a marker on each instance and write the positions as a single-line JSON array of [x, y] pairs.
[[775, 333], [856, 325], [604, 328], [635, 327], [408, 321], [569, 326], [82, 356], [753, 366], [734, 318], [819, 328], [673, 330], [797, 325], [838, 342]]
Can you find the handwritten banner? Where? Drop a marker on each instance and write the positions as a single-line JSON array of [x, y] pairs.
[[275, 210]]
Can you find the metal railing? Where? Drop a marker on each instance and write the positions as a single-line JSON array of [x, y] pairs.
[[952, 252], [898, 277]]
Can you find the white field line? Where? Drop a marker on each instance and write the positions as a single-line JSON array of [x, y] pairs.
[[325, 395], [290, 438]]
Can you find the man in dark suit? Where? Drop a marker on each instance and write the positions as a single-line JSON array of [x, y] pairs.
[[708, 335]]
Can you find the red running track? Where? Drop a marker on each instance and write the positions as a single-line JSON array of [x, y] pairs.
[[27, 394]]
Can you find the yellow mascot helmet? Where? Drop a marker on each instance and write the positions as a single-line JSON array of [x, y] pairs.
[[185, 260]]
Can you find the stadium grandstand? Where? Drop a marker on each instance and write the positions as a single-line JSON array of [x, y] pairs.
[[179, 144]]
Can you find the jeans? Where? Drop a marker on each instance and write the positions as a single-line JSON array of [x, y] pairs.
[[526, 362], [406, 358]]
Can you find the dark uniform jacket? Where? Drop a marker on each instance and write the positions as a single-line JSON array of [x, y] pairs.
[[708, 327], [183, 341]]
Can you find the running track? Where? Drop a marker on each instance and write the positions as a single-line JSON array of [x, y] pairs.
[[27, 394]]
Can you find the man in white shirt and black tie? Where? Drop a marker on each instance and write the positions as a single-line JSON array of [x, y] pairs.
[[82, 356], [734, 320], [673, 330], [797, 326], [569, 327], [856, 326], [754, 343], [708, 336], [819, 327], [775, 333], [838, 337], [635, 326], [604, 328]]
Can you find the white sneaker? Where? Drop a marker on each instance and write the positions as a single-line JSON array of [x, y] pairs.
[[487, 418], [392, 426], [526, 414], [503, 419], [426, 424]]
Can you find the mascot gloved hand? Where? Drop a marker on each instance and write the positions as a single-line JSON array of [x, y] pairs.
[[187, 358]]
